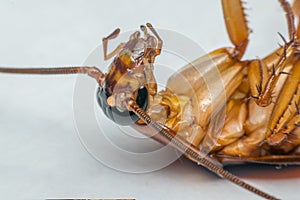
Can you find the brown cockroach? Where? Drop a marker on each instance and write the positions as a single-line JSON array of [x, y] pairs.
[[261, 115]]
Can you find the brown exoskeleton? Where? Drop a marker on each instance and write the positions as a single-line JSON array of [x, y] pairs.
[[261, 115]]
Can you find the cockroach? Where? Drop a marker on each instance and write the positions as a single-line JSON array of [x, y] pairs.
[[261, 115]]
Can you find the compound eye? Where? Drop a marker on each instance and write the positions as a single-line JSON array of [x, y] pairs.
[[125, 117]]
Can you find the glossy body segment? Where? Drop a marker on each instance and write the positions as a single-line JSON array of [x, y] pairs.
[[192, 152], [251, 89], [248, 137], [208, 82], [193, 75]]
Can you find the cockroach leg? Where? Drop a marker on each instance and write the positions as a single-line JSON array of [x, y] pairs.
[[154, 49], [296, 10], [263, 78], [286, 112], [144, 30], [236, 25], [159, 40], [262, 82], [279, 137], [257, 77], [290, 18], [105, 44], [149, 57]]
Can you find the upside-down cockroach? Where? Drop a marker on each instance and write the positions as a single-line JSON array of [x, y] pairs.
[[261, 115]]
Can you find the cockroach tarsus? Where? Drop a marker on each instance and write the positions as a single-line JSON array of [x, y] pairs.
[[262, 107]]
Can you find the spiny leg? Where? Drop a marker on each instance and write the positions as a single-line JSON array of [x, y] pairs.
[[94, 72], [263, 78], [289, 126], [262, 83], [290, 18], [236, 25], [257, 76], [296, 9], [286, 108], [105, 43]]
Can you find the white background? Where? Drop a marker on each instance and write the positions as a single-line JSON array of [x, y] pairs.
[[41, 155]]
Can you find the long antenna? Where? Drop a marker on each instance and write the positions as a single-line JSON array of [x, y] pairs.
[[93, 72], [193, 152]]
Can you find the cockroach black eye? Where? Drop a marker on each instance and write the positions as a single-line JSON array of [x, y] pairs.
[[125, 117]]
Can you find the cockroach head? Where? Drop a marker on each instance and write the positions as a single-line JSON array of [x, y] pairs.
[[130, 75]]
